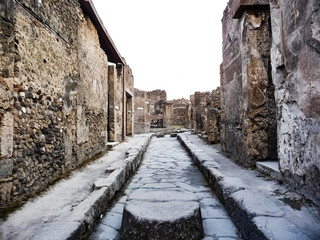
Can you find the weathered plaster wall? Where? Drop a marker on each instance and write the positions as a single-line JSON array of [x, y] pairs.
[[53, 85], [295, 72]]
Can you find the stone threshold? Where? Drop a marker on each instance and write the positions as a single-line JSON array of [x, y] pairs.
[[270, 168]]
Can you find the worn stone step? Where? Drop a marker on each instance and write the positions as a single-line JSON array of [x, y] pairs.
[[154, 214], [270, 168]]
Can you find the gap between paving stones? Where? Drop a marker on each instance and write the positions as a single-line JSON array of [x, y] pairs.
[[242, 203]]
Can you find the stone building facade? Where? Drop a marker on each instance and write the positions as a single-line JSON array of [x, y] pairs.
[[270, 87], [54, 112], [152, 110], [157, 98], [177, 112], [205, 107]]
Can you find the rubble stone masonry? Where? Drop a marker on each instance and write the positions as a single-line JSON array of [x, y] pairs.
[[206, 114], [53, 94]]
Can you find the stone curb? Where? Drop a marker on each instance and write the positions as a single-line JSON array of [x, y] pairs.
[[82, 220], [256, 216]]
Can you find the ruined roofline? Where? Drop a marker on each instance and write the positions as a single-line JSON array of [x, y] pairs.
[[105, 40]]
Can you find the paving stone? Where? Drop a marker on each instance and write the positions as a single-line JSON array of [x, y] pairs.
[[210, 212], [135, 185], [104, 232], [201, 195], [219, 228], [112, 219], [191, 188], [210, 202], [123, 199], [159, 185], [118, 208]]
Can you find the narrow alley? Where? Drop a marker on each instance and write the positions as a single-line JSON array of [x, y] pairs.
[[167, 168]]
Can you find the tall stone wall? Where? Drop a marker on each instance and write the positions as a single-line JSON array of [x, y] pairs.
[[54, 94], [270, 87], [295, 56], [92, 93]]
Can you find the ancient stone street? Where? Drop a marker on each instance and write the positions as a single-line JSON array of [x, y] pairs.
[[167, 175]]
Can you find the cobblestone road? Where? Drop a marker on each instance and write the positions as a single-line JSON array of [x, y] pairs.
[[167, 166]]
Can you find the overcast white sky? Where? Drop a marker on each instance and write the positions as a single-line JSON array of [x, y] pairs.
[[173, 45]]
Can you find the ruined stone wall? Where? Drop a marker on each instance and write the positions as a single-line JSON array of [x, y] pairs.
[[200, 111], [295, 70], [206, 114], [213, 116], [53, 79], [248, 105], [141, 112], [177, 112], [157, 99]]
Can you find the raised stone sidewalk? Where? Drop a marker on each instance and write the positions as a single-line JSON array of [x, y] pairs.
[[260, 208], [70, 208]]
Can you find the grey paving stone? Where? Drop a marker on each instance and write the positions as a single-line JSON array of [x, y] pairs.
[[191, 188], [104, 232], [209, 202], [210, 212], [159, 185], [123, 199], [201, 195], [219, 228], [209, 238], [135, 185], [112, 219], [118, 208]]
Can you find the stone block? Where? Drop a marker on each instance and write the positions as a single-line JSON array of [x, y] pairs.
[[239, 6], [161, 220]]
